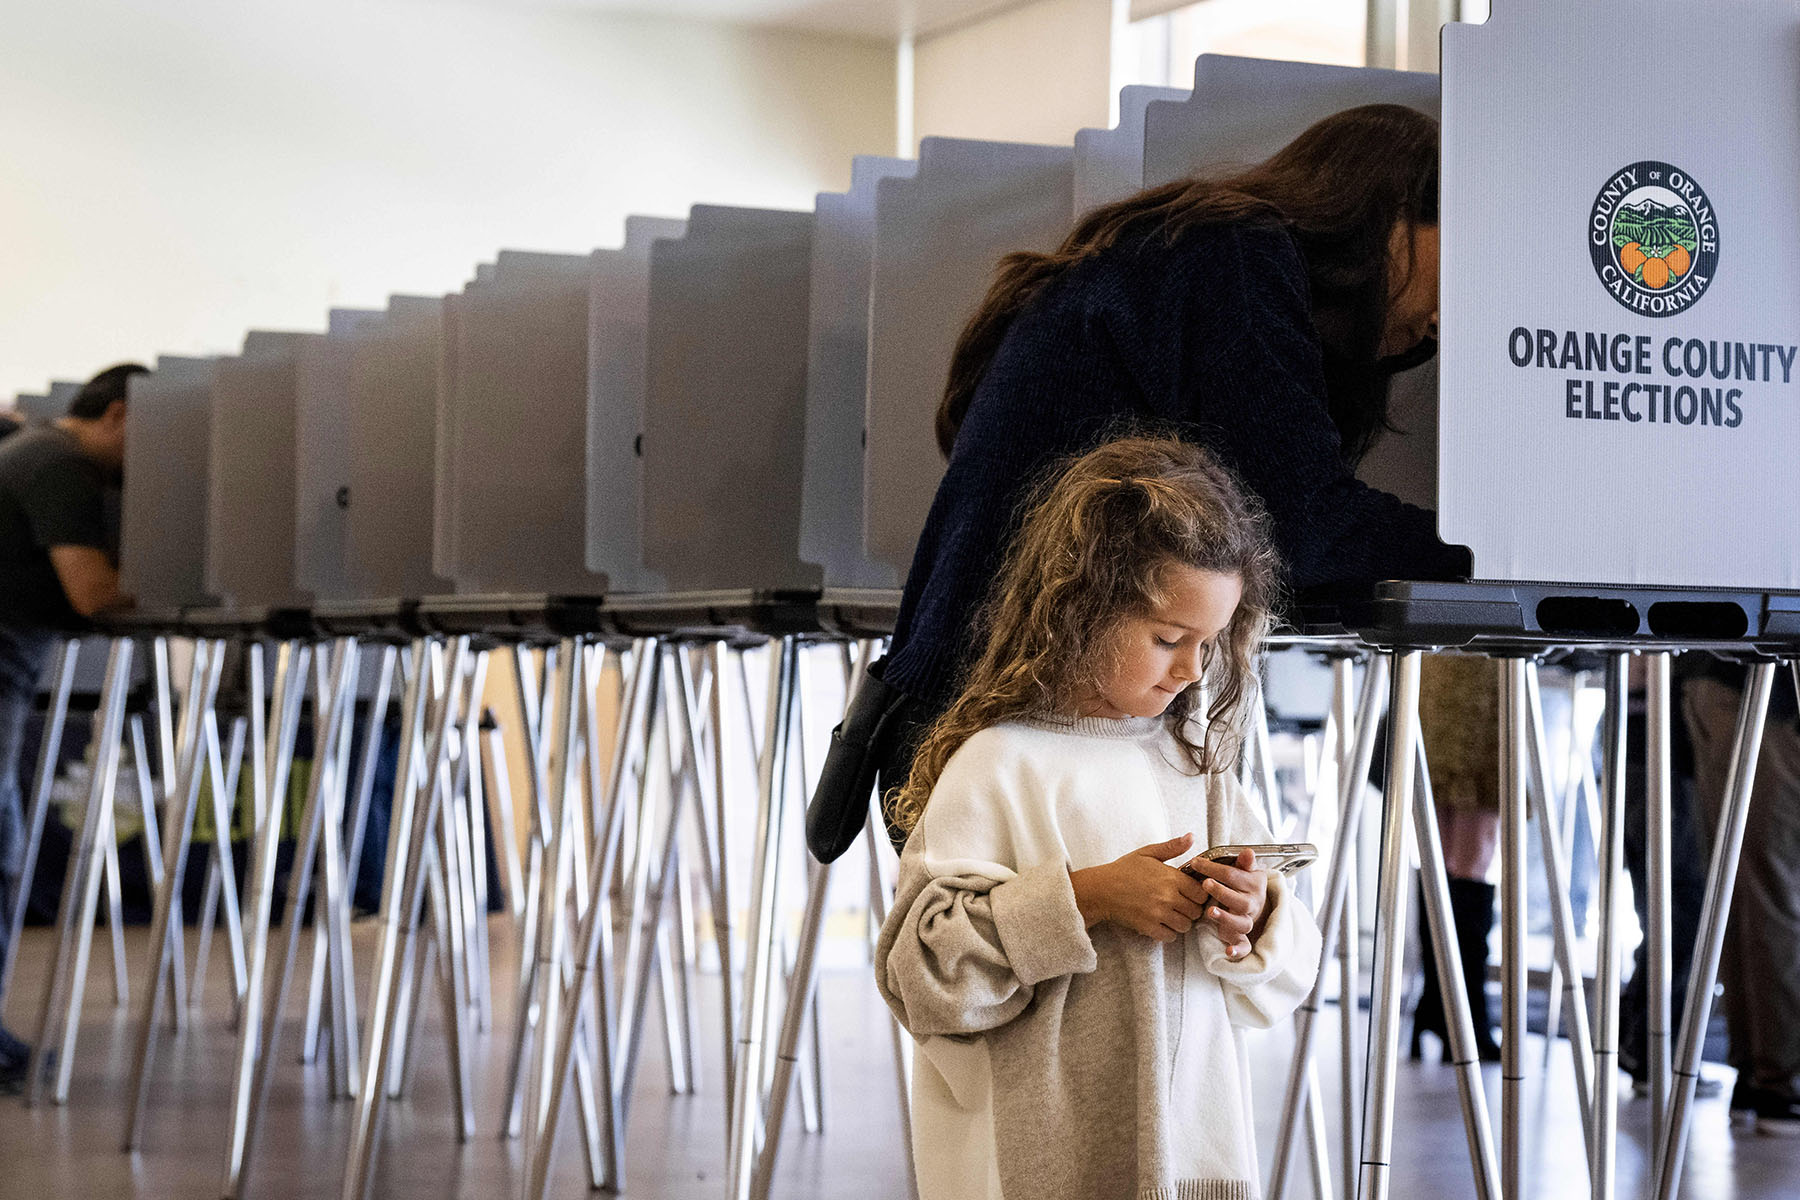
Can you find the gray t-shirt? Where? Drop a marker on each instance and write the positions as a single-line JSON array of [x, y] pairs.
[[51, 494]]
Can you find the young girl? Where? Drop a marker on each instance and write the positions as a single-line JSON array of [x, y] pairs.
[[1075, 999]]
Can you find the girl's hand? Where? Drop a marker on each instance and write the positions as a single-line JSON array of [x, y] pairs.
[[1141, 893], [1238, 899]]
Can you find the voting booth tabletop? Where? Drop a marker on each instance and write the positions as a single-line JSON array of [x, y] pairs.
[[1509, 618]]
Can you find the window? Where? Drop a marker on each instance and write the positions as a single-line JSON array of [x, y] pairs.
[[1161, 50]]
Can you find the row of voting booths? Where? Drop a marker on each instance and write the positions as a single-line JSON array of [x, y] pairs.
[[622, 469]]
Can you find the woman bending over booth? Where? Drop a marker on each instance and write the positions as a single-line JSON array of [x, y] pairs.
[[1260, 315]]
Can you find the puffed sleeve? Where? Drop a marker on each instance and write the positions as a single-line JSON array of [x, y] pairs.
[[1269, 983], [971, 934]]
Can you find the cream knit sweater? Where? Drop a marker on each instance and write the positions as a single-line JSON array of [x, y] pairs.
[[1057, 1061]]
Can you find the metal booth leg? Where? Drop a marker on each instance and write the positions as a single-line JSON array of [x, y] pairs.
[[1658, 853], [636, 714], [272, 757], [115, 912], [416, 802], [802, 995], [539, 907], [684, 771], [170, 760], [1606, 982], [764, 942], [1331, 913], [1513, 973], [177, 836], [223, 774], [901, 1042], [62, 680], [530, 688], [1441, 928], [75, 923], [474, 832], [1721, 881], [724, 936], [1343, 700], [322, 816], [1390, 928], [1566, 975], [562, 708]]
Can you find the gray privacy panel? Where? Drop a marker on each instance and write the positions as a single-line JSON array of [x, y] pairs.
[[250, 511], [519, 454], [322, 456], [1109, 163], [35, 407], [938, 237], [725, 418], [837, 378], [393, 403], [62, 394], [618, 332], [162, 539], [443, 473], [1240, 112]]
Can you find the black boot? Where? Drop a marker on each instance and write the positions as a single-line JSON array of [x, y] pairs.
[[1472, 914], [1428, 1015], [1472, 904]]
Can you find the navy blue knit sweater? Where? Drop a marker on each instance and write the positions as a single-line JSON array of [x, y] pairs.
[[1211, 336]]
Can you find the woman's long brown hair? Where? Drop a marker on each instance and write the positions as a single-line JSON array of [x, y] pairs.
[[1339, 188], [1094, 549]]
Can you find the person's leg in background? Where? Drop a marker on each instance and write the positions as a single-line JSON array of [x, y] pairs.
[[1459, 715], [1760, 968], [1687, 890], [14, 708]]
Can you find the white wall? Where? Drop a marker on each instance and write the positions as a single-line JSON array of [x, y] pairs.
[[180, 170], [1034, 73]]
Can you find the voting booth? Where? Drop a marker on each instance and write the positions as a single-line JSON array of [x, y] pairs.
[[392, 402], [37, 407], [938, 234], [165, 513], [322, 455], [516, 384], [250, 490], [733, 411], [618, 340], [832, 499], [1109, 163], [1641, 361], [725, 414]]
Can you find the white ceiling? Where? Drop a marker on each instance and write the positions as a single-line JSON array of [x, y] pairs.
[[860, 18]]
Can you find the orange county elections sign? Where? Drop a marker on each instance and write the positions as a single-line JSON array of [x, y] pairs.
[[1621, 314]]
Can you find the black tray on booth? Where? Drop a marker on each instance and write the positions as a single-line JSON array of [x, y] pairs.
[[377, 620], [521, 617], [711, 615], [1529, 617], [859, 612], [280, 623], [144, 622]]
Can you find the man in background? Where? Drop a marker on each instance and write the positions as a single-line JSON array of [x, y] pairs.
[[1761, 964], [57, 570]]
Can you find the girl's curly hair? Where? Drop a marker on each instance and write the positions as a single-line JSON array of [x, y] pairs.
[[1096, 540]]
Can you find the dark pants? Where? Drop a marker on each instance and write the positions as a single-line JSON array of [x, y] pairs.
[[23, 653], [1687, 889], [1761, 964]]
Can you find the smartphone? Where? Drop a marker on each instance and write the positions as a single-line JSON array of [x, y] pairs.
[[1283, 858]]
